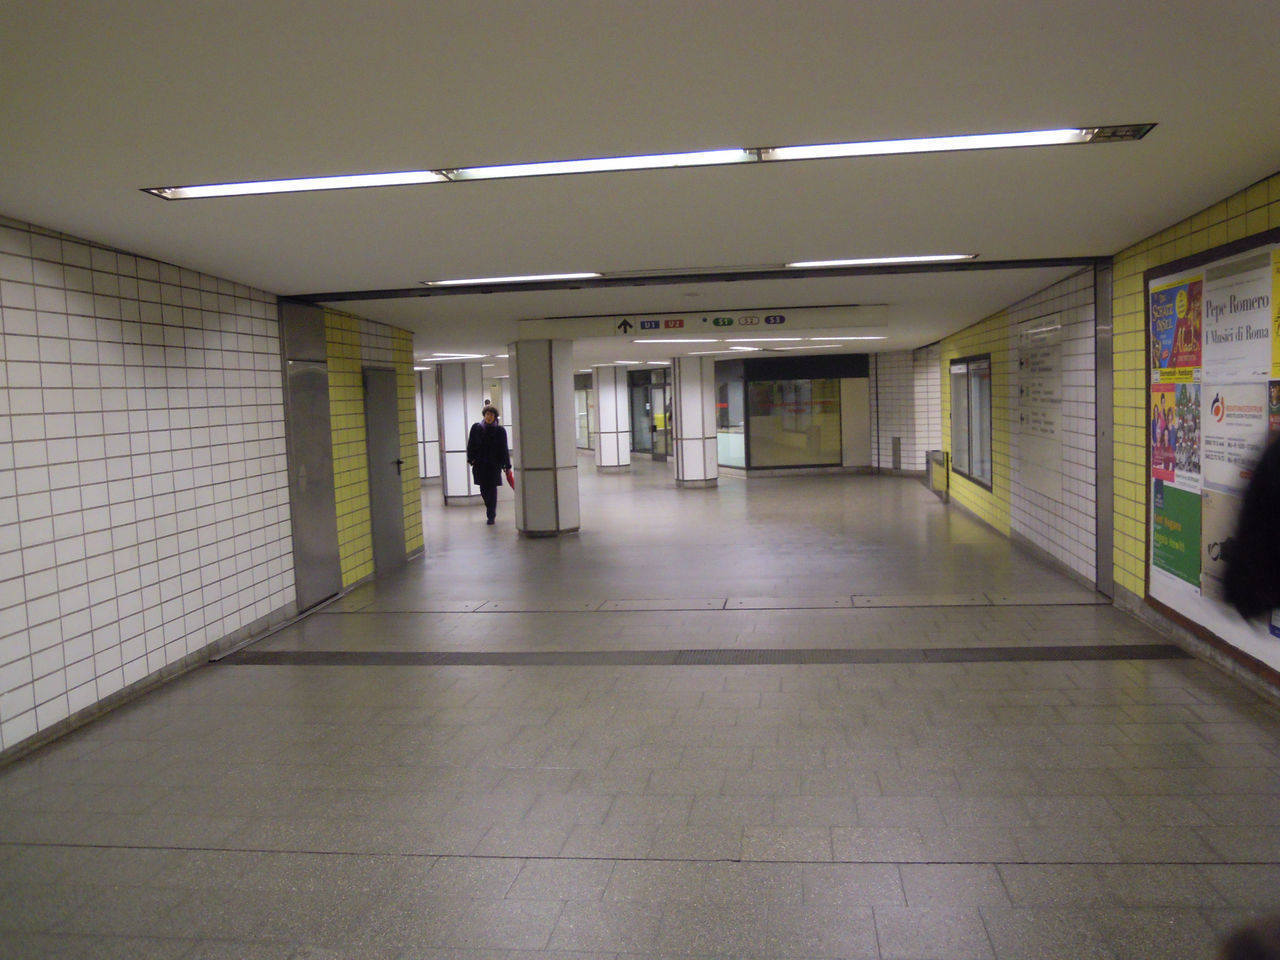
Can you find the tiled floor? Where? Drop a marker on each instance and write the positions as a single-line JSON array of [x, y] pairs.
[[802, 718]]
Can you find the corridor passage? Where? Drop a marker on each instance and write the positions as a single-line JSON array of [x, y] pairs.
[[821, 717]]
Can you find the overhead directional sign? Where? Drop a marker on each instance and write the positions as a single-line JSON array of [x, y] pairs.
[[725, 323]]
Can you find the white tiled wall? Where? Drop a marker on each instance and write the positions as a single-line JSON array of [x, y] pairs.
[[1064, 526], [905, 403], [144, 506]]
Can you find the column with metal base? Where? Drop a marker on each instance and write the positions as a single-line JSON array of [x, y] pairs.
[[459, 400], [545, 440], [613, 419], [694, 408]]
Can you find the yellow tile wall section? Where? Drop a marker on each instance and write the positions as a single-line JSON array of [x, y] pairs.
[[990, 336], [1252, 210], [350, 460], [402, 354]]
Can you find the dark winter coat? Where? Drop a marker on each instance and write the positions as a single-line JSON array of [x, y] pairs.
[[488, 454], [1252, 581]]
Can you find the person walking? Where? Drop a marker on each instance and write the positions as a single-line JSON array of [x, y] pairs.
[[489, 456]]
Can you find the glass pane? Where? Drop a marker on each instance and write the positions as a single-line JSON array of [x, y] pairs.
[[582, 407], [731, 423], [959, 418], [641, 423], [661, 420], [980, 420], [794, 422]]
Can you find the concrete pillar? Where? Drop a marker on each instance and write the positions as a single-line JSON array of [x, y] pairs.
[[459, 400], [612, 439], [694, 409], [546, 452]]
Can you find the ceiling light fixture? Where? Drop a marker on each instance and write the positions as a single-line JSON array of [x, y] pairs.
[[699, 158], [979, 141], [884, 261], [852, 338], [460, 356], [298, 185], [703, 158], [760, 339], [681, 340], [531, 278]]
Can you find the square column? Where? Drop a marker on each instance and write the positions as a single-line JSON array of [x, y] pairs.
[[459, 400], [546, 455], [613, 419], [694, 409]]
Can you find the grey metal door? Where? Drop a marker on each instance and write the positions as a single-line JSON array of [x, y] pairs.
[[312, 506], [386, 494]]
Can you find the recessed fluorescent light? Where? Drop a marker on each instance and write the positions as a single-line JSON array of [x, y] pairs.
[[298, 185], [705, 353], [532, 278], [459, 356], [681, 340], [851, 338], [884, 261], [979, 141], [700, 158], [502, 356], [746, 349], [760, 339], [703, 158], [812, 346], [657, 363]]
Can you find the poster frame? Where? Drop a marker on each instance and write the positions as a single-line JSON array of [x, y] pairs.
[[1224, 251]]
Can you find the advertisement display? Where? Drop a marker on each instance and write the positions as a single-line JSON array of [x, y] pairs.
[[1213, 330]]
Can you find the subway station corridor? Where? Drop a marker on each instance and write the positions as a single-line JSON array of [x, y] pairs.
[[819, 717]]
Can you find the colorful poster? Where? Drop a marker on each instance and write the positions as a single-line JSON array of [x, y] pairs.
[[1163, 460], [1175, 531], [1176, 314], [1235, 433], [1237, 320], [1273, 408]]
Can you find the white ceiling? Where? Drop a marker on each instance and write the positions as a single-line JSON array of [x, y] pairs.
[[103, 99]]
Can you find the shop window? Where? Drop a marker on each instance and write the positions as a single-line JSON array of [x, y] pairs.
[[793, 423], [971, 418]]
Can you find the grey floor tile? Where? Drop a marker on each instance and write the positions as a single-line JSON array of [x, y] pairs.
[[1046, 934], [952, 885], [822, 931], [614, 927], [852, 884], [932, 933]]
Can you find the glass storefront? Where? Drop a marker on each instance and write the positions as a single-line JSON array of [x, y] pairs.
[[793, 423], [731, 420]]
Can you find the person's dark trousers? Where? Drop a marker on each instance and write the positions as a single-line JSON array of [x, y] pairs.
[[490, 494]]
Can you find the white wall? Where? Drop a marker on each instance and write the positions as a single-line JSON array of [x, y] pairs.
[[144, 509], [905, 403], [1064, 524]]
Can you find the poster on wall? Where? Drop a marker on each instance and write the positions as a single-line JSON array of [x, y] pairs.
[[1237, 320], [1040, 404], [1213, 401]]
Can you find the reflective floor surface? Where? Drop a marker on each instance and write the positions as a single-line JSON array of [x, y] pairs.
[[825, 717]]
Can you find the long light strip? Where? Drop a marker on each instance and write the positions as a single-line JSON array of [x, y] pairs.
[[300, 185], [699, 158], [705, 158], [528, 279], [883, 261], [979, 141]]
